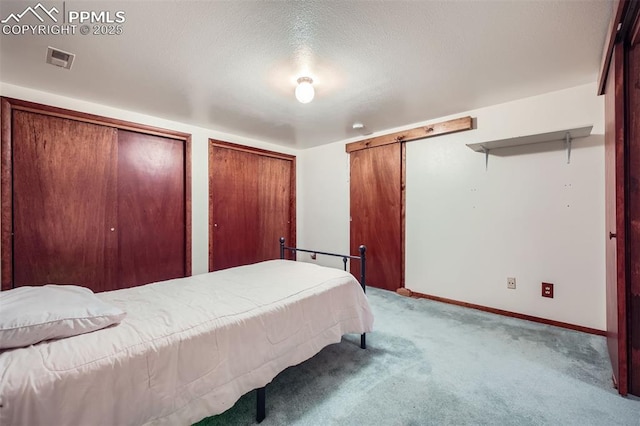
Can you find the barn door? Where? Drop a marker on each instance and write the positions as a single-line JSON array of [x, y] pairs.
[[251, 204], [376, 213], [64, 200]]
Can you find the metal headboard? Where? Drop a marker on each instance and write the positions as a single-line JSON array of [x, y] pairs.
[[363, 260]]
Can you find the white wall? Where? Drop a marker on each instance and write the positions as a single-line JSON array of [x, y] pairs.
[[199, 159], [323, 194], [529, 215]]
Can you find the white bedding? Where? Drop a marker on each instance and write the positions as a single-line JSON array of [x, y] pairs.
[[188, 348]]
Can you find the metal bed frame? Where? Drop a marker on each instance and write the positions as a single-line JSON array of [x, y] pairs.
[[261, 392]]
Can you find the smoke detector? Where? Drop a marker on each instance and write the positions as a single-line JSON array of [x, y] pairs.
[[60, 58], [359, 127]]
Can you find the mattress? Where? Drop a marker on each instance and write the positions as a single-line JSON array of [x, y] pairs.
[[187, 349]]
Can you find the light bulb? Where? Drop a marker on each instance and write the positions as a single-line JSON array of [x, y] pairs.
[[305, 91]]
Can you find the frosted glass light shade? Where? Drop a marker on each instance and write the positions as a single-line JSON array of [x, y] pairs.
[[305, 91]]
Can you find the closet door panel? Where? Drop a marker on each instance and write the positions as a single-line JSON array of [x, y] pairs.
[[274, 195], [235, 222], [151, 208], [64, 189], [250, 203]]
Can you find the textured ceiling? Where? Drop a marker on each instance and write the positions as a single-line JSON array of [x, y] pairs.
[[232, 65]]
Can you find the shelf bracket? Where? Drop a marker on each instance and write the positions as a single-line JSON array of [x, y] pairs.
[[486, 158], [567, 144]]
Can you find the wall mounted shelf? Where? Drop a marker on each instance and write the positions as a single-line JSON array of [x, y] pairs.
[[561, 135]]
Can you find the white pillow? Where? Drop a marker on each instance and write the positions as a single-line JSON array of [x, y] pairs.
[[29, 315]]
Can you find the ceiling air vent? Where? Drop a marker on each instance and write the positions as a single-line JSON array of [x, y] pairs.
[[59, 58]]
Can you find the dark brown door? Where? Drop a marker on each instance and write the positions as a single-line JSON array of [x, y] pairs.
[[622, 174], [615, 217], [251, 204], [633, 205], [151, 209], [64, 195], [376, 214]]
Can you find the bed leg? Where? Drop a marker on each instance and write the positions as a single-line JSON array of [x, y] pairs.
[[363, 341], [261, 412]]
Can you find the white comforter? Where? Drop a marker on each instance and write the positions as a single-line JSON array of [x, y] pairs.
[[188, 348]]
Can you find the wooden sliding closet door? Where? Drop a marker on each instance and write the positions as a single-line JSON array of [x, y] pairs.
[[151, 213], [64, 200], [90, 200], [376, 213], [251, 204]]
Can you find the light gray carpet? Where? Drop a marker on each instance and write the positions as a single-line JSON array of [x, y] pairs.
[[429, 363]]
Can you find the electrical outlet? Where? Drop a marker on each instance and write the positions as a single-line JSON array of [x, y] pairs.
[[547, 290], [511, 283]]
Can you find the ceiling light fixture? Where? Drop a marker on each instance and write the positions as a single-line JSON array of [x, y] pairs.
[[305, 91]]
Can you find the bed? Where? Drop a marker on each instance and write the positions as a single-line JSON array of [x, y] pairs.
[[188, 348]]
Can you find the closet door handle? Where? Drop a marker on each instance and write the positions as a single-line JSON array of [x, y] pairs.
[[612, 235]]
